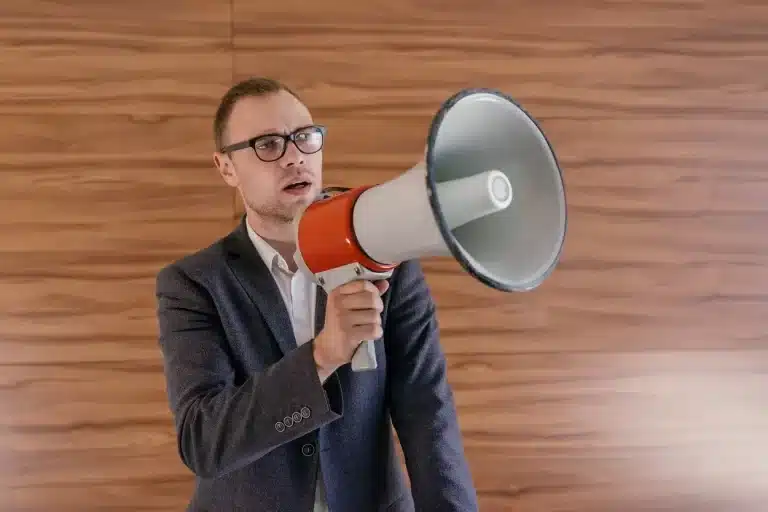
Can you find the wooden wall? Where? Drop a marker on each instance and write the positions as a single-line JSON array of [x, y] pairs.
[[633, 380]]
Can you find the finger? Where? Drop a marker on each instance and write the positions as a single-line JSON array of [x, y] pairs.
[[361, 301], [357, 286], [382, 285], [364, 333], [354, 319]]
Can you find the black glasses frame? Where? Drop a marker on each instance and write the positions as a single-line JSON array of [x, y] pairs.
[[291, 137]]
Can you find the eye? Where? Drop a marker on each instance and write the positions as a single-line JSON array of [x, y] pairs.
[[267, 145]]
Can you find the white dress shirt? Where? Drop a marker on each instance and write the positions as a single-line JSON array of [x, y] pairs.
[[299, 292]]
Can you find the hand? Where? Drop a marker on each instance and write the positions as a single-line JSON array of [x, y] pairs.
[[352, 315]]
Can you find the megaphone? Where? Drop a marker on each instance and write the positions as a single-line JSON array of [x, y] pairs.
[[489, 192]]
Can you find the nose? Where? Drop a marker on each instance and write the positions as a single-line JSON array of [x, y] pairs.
[[292, 156]]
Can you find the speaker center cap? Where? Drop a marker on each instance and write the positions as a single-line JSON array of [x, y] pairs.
[[501, 189]]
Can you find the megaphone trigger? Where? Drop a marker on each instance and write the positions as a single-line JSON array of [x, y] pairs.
[[489, 192]]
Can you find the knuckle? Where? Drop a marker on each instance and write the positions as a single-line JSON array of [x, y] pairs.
[[347, 288]]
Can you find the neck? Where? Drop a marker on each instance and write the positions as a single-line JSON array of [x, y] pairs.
[[278, 235], [273, 230]]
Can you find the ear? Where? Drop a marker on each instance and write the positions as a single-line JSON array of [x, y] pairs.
[[226, 168]]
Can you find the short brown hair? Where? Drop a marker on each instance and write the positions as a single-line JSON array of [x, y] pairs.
[[254, 86]]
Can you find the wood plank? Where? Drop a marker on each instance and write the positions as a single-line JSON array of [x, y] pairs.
[[92, 207], [631, 379], [105, 160], [589, 60], [99, 180], [143, 58], [591, 431], [89, 223]]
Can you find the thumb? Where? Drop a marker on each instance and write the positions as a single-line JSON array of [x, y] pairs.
[[382, 285]]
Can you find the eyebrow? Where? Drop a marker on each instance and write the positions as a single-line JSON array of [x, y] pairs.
[[278, 132]]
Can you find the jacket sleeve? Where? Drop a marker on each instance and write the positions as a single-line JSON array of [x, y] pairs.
[[422, 405], [222, 425]]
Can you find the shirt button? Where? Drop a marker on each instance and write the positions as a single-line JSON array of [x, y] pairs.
[[308, 450]]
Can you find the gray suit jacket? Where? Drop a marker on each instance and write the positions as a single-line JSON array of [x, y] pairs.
[[253, 421]]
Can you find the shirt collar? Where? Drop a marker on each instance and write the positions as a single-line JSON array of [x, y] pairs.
[[271, 257]]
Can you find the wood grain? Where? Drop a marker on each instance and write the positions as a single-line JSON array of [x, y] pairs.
[[85, 421], [142, 58], [632, 379], [105, 165]]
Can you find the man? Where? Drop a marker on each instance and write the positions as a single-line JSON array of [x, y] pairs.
[[268, 414]]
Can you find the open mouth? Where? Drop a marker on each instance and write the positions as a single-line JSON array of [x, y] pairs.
[[299, 185]]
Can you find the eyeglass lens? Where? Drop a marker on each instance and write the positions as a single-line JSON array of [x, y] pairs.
[[308, 140]]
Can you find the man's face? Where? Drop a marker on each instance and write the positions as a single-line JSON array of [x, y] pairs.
[[268, 188]]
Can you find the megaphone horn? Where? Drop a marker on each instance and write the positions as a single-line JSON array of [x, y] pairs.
[[489, 193]]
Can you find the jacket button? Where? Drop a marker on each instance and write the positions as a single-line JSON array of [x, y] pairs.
[[296, 417], [288, 421], [305, 412], [308, 450], [279, 426]]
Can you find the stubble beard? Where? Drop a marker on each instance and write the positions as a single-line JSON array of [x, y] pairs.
[[277, 214]]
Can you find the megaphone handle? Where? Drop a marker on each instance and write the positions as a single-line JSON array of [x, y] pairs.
[[364, 358]]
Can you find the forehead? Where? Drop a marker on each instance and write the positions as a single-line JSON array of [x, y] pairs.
[[279, 112]]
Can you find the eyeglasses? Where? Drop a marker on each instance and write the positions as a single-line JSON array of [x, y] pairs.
[[271, 146]]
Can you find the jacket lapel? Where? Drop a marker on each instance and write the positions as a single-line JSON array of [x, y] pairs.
[[255, 278]]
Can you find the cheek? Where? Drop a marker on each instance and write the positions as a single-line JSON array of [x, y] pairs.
[[258, 182], [315, 162]]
